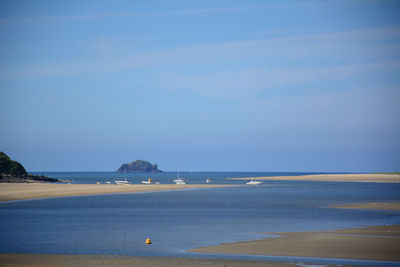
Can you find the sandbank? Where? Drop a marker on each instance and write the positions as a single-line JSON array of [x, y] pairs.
[[369, 243], [36, 260], [20, 191], [366, 178], [372, 206]]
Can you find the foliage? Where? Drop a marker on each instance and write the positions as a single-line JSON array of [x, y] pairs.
[[10, 167]]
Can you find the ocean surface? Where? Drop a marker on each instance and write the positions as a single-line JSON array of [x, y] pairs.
[[163, 178], [177, 221]]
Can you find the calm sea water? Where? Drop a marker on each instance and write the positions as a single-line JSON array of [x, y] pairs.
[[164, 177], [180, 220]]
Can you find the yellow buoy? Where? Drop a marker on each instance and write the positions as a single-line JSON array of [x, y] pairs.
[[148, 241]]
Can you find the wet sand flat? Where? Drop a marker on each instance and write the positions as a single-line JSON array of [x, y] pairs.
[[366, 178], [370, 243], [36, 260], [372, 206], [19, 191]]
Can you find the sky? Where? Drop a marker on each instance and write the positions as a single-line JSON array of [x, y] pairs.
[[302, 86]]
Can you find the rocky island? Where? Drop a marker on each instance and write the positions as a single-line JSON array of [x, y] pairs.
[[139, 166], [12, 171]]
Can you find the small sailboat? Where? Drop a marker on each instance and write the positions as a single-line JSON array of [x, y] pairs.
[[252, 182], [208, 180], [179, 180], [126, 182]]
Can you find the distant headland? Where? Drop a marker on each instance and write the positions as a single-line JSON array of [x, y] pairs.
[[12, 171], [139, 166]]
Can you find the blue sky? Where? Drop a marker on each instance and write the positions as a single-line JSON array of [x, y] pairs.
[[201, 85]]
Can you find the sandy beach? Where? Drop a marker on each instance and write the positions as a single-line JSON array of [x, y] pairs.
[[19, 191], [35, 260], [372, 206], [366, 178], [370, 243]]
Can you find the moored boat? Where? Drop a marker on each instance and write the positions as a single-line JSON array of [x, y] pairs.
[[149, 181], [252, 182], [125, 181], [179, 180]]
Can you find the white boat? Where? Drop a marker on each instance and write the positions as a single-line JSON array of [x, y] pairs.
[[252, 182], [122, 182], [208, 180], [179, 180], [149, 181]]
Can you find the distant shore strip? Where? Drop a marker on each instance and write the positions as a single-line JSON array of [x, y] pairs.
[[365, 178], [23, 191], [20, 191]]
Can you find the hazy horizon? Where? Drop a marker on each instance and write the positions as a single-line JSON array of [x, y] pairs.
[[286, 86]]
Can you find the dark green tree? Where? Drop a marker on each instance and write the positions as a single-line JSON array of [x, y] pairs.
[[10, 167]]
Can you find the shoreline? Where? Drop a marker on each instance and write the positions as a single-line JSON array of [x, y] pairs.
[[122, 261], [375, 243], [26, 191], [379, 243], [371, 206], [51, 260], [364, 178], [364, 244]]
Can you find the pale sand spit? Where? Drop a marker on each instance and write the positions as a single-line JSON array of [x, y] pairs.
[[372, 206], [371, 243], [366, 178], [36, 260], [19, 191]]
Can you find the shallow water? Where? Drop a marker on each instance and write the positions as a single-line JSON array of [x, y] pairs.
[[180, 220]]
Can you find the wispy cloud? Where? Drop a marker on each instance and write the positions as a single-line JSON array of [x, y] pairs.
[[132, 14], [16, 20], [250, 81], [366, 45]]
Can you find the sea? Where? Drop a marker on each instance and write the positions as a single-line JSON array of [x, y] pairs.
[[177, 221]]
